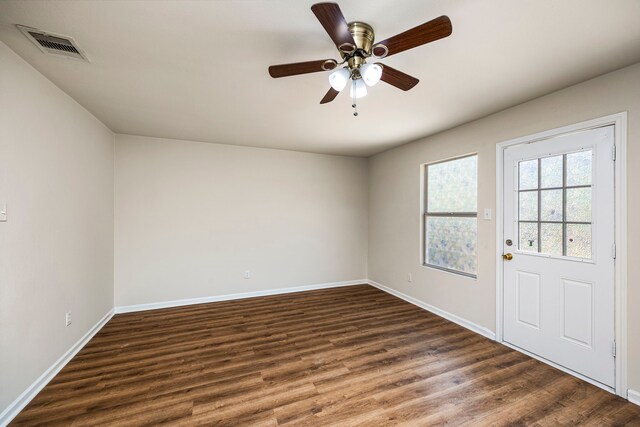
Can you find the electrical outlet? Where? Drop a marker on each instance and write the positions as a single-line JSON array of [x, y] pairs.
[[247, 274], [487, 214], [67, 319], [3, 212], [409, 277]]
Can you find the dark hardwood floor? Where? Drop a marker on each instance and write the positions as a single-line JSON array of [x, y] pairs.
[[343, 357]]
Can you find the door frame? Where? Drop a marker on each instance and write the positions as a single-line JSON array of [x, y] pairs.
[[619, 121]]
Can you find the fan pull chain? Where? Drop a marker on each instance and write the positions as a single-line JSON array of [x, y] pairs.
[[354, 105]]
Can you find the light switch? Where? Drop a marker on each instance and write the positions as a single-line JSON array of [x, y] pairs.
[[487, 214], [3, 212]]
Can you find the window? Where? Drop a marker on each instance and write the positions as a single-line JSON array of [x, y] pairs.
[[451, 215], [554, 205]]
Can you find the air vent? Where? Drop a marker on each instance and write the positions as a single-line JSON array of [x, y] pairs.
[[54, 44]]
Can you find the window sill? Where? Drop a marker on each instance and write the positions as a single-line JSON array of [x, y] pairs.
[[452, 272]]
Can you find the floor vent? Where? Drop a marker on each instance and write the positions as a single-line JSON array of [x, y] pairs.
[[54, 44]]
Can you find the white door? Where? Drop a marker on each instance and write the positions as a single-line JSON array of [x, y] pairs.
[[559, 228]]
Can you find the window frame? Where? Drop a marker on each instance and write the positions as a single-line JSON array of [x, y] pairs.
[[426, 215]]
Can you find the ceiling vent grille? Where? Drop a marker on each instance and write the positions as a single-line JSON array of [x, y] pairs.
[[54, 44]]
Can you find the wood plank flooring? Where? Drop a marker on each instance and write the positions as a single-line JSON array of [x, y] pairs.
[[338, 357]]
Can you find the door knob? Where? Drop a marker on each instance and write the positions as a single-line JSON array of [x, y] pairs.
[[508, 257]]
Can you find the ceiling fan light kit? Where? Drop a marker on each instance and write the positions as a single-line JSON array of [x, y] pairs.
[[355, 42], [339, 79], [371, 73], [358, 89]]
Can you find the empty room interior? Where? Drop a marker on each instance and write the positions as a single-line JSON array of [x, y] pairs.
[[304, 213]]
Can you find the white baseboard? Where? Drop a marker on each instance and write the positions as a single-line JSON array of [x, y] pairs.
[[449, 316], [17, 405], [229, 297], [634, 396]]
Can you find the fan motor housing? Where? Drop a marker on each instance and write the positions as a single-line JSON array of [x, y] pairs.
[[362, 34]]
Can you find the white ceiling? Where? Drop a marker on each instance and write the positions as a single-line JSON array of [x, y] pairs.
[[197, 70]]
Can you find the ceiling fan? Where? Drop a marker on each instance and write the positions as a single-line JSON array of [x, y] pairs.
[[355, 42]]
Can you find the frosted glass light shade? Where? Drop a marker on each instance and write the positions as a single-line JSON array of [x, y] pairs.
[[339, 79], [371, 73], [359, 88]]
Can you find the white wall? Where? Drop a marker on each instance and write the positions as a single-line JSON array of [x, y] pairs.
[[395, 212], [191, 217], [56, 249]]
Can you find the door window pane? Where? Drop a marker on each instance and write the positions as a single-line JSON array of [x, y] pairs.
[[551, 205], [528, 206], [555, 218], [551, 239], [579, 204], [551, 172], [528, 236], [579, 168], [528, 172], [579, 240], [451, 243]]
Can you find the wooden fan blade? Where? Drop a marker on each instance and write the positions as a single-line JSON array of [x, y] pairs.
[[397, 78], [330, 96], [429, 31], [296, 68], [331, 18]]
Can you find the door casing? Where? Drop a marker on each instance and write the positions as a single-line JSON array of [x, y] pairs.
[[619, 121]]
